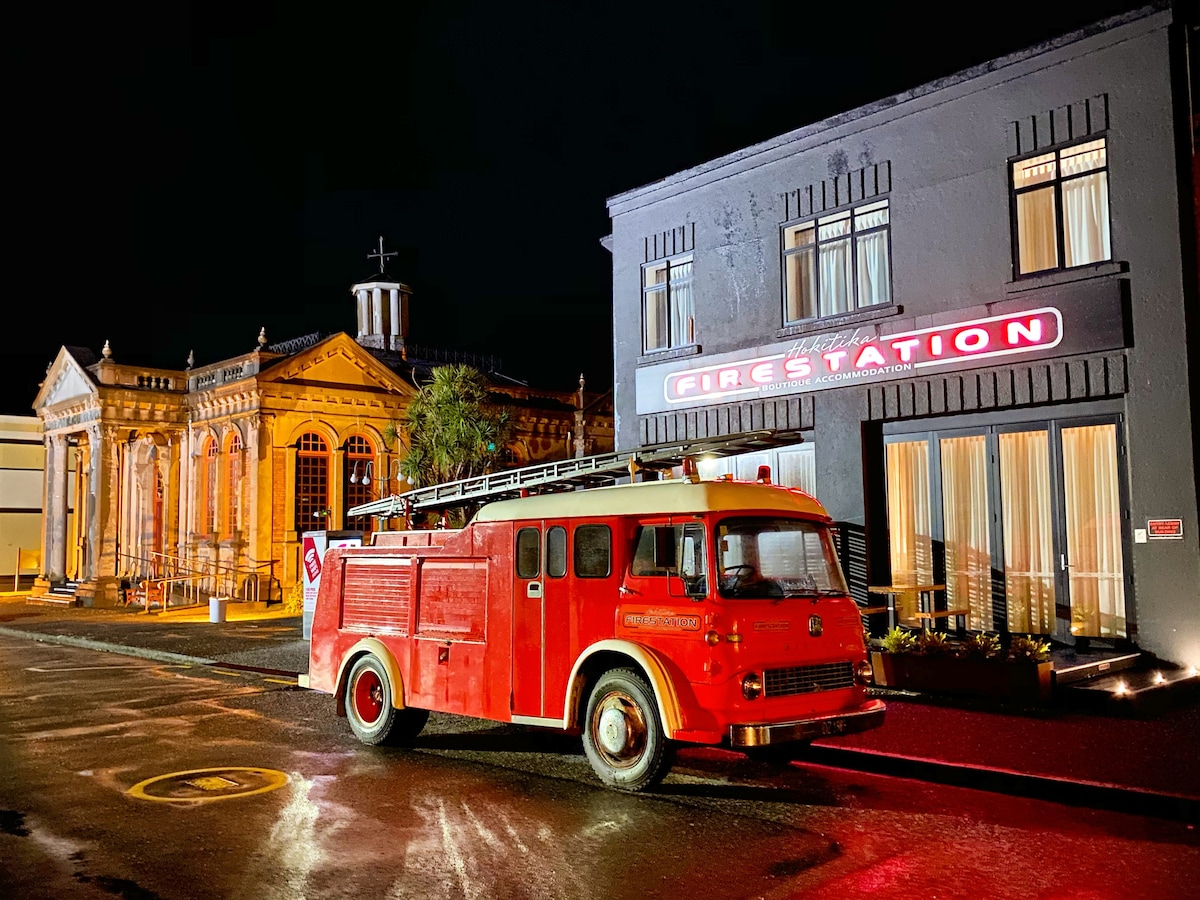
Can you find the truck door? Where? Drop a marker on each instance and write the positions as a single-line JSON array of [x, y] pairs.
[[540, 620]]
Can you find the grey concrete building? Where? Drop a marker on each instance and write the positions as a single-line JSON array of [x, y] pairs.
[[975, 305]]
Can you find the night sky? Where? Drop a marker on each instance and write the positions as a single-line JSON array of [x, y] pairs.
[[181, 177]]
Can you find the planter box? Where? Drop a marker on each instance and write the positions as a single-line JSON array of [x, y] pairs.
[[1021, 680]]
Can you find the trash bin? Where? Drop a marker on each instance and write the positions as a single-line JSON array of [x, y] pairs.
[[216, 609]]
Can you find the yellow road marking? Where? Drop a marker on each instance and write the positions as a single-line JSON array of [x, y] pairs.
[[223, 672], [281, 680], [254, 781]]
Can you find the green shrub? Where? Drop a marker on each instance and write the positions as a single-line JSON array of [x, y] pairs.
[[981, 645], [1028, 647], [934, 643], [898, 641], [294, 601]]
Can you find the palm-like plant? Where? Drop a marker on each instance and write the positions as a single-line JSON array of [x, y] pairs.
[[455, 429]]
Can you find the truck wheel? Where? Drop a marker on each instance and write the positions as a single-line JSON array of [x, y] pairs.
[[369, 708], [623, 737]]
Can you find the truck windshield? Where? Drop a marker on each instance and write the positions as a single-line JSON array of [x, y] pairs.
[[763, 556]]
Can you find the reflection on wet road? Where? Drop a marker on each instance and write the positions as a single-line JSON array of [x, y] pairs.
[[478, 810]]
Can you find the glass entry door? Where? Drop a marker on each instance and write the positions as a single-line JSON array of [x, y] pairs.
[[1024, 524]]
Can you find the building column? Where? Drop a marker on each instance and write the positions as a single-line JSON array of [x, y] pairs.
[[54, 502], [101, 587], [394, 320], [363, 313], [377, 311], [336, 495]]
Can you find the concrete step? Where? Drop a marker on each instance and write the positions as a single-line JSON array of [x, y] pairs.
[[1144, 691], [1072, 668]]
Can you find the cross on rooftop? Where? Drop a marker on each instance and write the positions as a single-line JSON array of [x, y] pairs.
[[381, 256]]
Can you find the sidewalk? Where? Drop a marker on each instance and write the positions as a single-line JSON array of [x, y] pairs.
[[1150, 766]]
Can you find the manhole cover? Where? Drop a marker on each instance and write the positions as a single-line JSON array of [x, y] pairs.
[[205, 785]]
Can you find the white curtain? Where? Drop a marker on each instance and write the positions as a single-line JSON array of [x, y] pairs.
[[874, 283], [909, 531], [966, 519], [798, 468], [1093, 513], [1085, 216], [1028, 541], [836, 273], [682, 309]]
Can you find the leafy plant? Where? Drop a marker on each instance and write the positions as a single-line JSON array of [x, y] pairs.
[[456, 429], [934, 643], [981, 645], [898, 641], [1028, 647]]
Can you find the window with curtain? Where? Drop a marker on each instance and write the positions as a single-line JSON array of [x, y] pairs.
[[792, 466], [1028, 541], [965, 524], [1095, 566], [233, 485], [837, 263], [1060, 205], [910, 528], [359, 481], [668, 310], [312, 482]]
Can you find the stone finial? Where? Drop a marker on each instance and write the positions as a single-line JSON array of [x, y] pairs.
[[262, 337], [191, 360], [107, 351]]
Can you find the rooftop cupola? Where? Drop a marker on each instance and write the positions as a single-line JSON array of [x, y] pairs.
[[382, 307]]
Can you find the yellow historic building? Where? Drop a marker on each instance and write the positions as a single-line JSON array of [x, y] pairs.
[[203, 480]]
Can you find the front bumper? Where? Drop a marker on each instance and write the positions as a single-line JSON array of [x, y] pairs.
[[868, 716]]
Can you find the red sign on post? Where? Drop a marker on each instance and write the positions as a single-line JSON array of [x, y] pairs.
[[1164, 529]]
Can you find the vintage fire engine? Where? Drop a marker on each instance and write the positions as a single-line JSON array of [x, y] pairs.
[[640, 614]]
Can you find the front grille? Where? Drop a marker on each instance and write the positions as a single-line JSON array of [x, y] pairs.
[[808, 679]]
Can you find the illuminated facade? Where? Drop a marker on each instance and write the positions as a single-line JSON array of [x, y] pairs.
[[210, 475], [975, 303]]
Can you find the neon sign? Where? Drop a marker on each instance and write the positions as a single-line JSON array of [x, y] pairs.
[[805, 366]]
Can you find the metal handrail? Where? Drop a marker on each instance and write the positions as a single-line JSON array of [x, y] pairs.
[[162, 570]]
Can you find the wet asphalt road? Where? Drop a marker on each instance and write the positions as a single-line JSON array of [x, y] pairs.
[[478, 810]]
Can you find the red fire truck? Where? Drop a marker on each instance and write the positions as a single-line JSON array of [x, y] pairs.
[[640, 615]]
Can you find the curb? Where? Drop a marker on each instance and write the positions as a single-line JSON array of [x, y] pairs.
[[123, 649], [1053, 788]]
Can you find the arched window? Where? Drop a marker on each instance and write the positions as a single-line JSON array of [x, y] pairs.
[[360, 482], [312, 482], [234, 462], [208, 486]]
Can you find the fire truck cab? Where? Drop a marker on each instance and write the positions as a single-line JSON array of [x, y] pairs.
[[639, 615]]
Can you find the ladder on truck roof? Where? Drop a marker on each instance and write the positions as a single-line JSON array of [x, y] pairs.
[[566, 474]]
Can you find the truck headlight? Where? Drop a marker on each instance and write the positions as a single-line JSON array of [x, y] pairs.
[[751, 685], [863, 673]]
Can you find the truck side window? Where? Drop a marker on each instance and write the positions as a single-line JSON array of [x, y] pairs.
[[529, 553], [593, 551], [556, 551], [643, 556]]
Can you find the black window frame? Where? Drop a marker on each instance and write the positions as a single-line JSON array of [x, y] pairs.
[[850, 209]]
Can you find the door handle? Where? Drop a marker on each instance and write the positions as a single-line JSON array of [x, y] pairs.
[[1062, 561]]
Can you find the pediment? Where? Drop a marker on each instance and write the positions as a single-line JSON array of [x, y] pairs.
[[337, 360], [66, 380]]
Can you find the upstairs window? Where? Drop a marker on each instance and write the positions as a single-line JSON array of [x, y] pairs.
[[208, 511], [1060, 208], [837, 263], [233, 485], [668, 311]]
